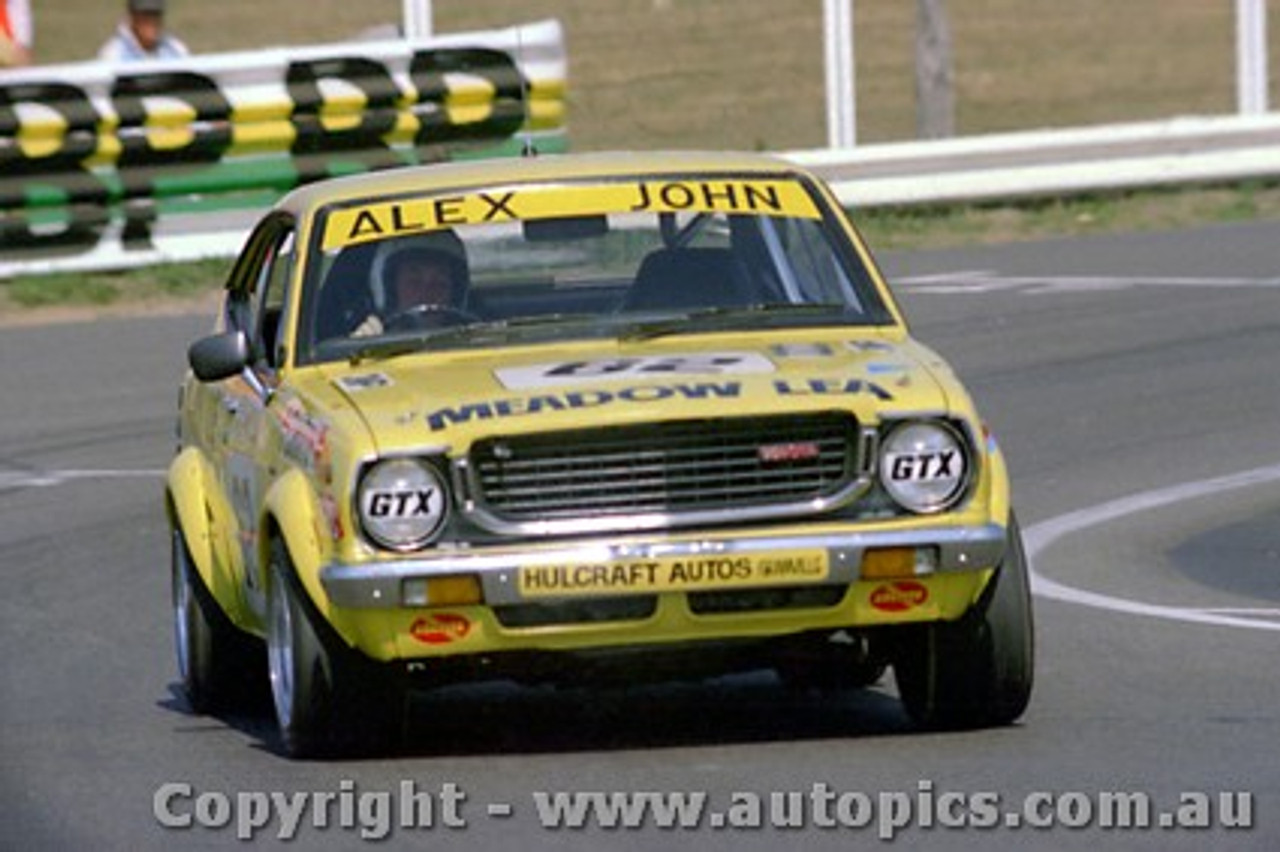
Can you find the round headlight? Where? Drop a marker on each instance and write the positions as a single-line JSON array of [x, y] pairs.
[[924, 466], [402, 503]]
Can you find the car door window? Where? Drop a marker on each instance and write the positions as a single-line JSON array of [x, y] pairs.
[[271, 298], [258, 287]]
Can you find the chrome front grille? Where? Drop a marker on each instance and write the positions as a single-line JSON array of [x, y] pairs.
[[690, 468]]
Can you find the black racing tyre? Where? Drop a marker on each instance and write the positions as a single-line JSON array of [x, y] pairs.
[[977, 671], [220, 666], [329, 700]]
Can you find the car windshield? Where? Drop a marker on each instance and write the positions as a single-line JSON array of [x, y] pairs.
[[571, 261]]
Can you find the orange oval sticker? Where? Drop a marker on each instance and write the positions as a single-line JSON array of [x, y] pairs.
[[440, 628], [899, 596]]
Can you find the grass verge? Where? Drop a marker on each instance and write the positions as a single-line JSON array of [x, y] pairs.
[[1142, 210], [127, 291]]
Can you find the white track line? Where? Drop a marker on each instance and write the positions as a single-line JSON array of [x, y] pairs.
[[980, 281], [1039, 537], [46, 478]]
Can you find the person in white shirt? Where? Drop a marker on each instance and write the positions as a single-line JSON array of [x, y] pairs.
[[142, 35], [15, 33]]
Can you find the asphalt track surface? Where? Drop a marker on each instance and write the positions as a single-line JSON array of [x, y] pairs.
[[1133, 383]]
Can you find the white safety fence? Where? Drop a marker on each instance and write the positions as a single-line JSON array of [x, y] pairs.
[[1012, 166]]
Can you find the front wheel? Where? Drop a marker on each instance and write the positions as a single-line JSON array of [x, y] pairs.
[[328, 700], [977, 671]]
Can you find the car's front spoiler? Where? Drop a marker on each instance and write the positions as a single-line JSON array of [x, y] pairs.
[[379, 585]]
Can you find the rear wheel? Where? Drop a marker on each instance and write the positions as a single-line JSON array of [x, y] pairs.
[[220, 665], [977, 671], [328, 699]]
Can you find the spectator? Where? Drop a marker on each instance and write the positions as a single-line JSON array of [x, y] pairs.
[[141, 35], [15, 33]]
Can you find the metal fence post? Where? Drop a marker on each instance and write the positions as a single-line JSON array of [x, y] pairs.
[[417, 19], [1251, 56], [837, 22]]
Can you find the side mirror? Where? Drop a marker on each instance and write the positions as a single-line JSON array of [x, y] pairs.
[[219, 356]]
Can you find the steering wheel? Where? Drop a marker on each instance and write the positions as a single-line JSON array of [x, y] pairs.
[[428, 315]]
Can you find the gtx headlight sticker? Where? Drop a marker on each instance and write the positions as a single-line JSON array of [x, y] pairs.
[[402, 503], [924, 466]]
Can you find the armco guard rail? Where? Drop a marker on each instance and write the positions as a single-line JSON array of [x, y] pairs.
[[122, 165], [995, 167]]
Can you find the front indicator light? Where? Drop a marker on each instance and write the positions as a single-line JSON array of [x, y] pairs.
[[459, 590], [892, 563]]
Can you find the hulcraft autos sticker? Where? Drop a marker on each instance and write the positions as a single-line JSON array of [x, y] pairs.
[[674, 574], [443, 418], [575, 372], [357, 224]]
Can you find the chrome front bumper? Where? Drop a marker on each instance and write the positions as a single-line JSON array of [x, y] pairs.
[[380, 585]]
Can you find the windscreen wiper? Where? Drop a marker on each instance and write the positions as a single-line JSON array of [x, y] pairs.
[[383, 350], [706, 319], [472, 333]]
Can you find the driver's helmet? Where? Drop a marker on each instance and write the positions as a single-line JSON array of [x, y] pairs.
[[442, 246]]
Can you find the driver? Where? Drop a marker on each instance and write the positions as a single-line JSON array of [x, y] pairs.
[[422, 279]]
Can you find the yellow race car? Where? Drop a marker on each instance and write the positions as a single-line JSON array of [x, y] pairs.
[[591, 416]]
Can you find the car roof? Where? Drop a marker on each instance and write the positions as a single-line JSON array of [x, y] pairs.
[[487, 172]]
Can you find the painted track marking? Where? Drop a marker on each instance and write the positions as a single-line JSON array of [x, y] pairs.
[[987, 281], [47, 478], [1039, 537]]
